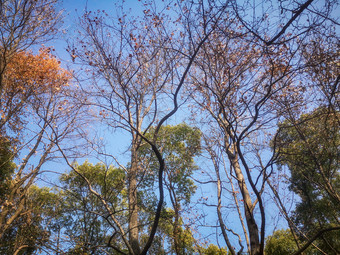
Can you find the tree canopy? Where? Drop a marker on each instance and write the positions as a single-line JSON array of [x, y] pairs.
[[310, 149], [172, 127]]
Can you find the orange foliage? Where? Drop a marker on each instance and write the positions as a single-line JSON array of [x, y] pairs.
[[28, 81], [37, 73]]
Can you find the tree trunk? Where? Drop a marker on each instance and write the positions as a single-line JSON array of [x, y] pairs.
[[177, 233], [248, 205], [133, 206]]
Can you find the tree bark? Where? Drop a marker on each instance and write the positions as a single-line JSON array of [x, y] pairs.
[[248, 205], [133, 206]]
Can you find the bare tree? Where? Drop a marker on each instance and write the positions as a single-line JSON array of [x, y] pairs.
[[137, 69], [235, 83]]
